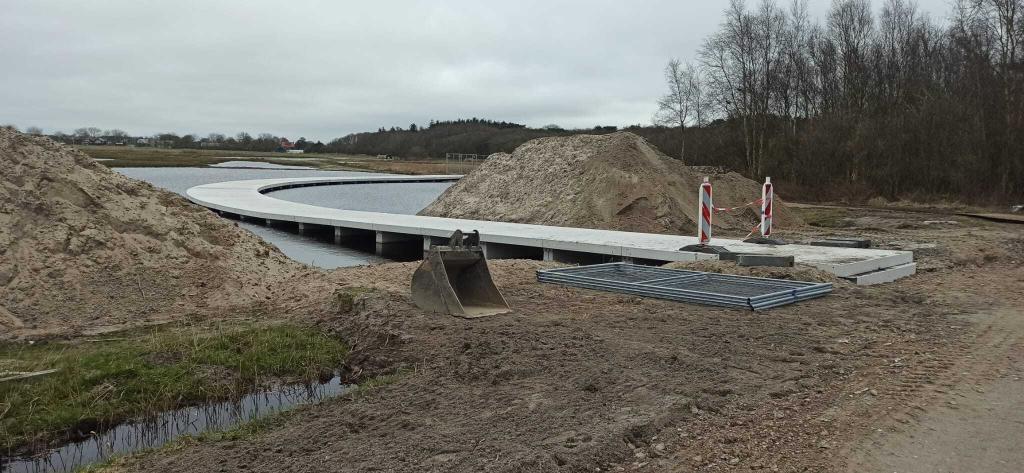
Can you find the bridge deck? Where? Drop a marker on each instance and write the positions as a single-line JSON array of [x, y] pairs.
[[248, 198]]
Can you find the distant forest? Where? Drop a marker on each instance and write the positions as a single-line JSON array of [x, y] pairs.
[[474, 135], [868, 102]]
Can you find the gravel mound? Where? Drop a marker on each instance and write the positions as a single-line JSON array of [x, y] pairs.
[[617, 181], [83, 248]]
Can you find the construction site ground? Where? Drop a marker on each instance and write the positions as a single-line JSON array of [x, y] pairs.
[[924, 374]]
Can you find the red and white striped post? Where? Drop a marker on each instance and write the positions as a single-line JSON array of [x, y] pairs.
[[705, 209], [767, 194]]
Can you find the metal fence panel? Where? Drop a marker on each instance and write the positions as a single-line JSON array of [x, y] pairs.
[[723, 290]]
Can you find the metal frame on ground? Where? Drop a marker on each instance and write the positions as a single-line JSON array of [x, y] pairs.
[[723, 290]]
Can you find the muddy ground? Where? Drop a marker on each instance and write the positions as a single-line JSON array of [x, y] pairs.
[[866, 379]]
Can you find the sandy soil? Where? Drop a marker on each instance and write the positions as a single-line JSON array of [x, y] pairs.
[[577, 380], [85, 249], [616, 181]]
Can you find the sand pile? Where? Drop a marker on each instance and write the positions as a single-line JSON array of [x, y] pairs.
[[616, 181], [85, 248]]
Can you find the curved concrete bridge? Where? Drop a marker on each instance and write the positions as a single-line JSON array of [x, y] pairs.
[[407, 236]]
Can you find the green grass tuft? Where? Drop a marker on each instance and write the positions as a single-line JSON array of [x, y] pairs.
[[107, 382]]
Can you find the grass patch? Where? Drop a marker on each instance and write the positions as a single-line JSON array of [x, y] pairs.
[[101, 384], [824, 217]]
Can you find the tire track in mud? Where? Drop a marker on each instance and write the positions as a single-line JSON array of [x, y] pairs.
[[938, 401]]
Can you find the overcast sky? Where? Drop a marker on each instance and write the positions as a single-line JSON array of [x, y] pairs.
[[329, 68]]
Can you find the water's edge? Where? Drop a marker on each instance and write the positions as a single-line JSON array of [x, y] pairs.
[[160, 429]]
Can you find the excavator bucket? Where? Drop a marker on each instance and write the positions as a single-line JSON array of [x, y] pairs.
[[455, 280]]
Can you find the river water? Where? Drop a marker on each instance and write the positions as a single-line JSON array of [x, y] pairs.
[[401, 198]]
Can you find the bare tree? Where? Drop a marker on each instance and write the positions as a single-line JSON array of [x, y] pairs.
[[88, 132], [34, 130], [676, 108], [851, 27], [743, 63], [699, 102]]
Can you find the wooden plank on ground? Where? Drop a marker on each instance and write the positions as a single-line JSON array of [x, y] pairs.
[[997, 217], [15, 375]]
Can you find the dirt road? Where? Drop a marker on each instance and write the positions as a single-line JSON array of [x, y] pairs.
[[972, 420]]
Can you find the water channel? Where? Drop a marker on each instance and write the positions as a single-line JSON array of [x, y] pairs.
[[401, 198], [165, 427]]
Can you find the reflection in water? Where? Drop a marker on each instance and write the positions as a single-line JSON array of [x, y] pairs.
[[395, 198], [165, 427], [312, 250], [401, 198]]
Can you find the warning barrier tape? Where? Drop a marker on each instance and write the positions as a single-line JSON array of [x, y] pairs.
[[748, 204]]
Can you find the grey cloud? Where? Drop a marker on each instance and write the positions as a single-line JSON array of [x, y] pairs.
[[324, 69]]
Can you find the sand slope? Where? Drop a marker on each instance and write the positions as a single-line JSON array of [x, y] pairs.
[[83, 247], [616, 181]]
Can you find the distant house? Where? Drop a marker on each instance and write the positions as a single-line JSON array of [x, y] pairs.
[[295, 151]]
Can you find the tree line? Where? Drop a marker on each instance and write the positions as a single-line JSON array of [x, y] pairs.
[[243, 141], [472, 135], [887, 102]]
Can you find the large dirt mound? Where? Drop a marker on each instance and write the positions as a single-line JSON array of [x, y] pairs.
[[85, 248], [616, 181]]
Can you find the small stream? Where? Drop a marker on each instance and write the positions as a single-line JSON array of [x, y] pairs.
[[168, 426]]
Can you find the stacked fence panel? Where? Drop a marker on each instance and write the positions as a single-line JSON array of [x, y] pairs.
[[723, 290]]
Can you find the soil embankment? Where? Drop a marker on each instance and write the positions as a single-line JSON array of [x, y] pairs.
[[83, 248], [617, 181]]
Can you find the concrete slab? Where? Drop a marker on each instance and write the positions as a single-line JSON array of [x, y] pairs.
[[884, 275], [249, 198], [844, 242]]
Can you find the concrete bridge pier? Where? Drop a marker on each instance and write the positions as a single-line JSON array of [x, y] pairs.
[[399, 246], [578, 257], [429, 241], [342, 234], [504, 251]]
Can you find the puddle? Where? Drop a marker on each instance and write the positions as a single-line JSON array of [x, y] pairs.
[[163, 428]]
